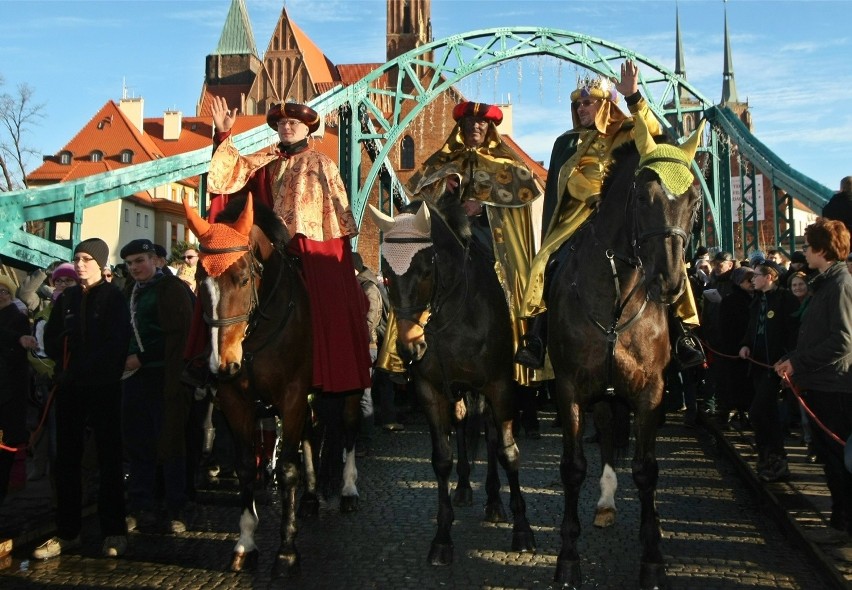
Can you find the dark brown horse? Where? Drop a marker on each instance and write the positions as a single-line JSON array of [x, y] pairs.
[[609, 343], [454, 330], [257, 308]]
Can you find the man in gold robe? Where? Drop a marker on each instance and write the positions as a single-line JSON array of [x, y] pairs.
[[578, 166]]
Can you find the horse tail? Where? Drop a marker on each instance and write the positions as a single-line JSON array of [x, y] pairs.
[[328, 443], [612, 421], [474, 422], [621, 428]]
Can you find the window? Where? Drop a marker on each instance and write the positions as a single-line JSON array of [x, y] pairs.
[[146, 221], [138, 220], [65, 157], [96, 156], [126, 215], [126, 156], [407, 156]]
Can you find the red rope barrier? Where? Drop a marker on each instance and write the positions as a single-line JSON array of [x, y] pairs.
[[793, 388]]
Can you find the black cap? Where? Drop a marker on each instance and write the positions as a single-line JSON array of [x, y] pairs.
[[140, 246], [161, 252], [798, 256], [96, 248], [723, 257]]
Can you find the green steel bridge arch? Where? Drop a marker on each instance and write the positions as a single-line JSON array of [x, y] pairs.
[[422, 75]]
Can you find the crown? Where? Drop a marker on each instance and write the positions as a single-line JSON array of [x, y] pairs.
[[594, 86]]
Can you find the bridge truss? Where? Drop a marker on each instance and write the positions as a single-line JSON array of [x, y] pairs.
[[421, 75]]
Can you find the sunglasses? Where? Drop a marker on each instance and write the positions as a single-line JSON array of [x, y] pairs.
[[189, 257], [585, 103]]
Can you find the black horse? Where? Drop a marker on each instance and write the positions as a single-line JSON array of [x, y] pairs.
[[255, 302], [454, 330], [609, 342]]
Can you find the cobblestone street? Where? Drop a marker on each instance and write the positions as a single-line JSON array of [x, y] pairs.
[[714, 533]]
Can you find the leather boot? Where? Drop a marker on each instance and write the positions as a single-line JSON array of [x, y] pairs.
[[530, 353], [686, 349]]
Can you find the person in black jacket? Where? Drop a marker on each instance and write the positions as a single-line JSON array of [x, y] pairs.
[[13, 379], [771, 333], [735, 392], [821, 364], [839, 207], [87, 336]]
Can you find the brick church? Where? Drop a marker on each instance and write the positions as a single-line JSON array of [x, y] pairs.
[[293, 67]]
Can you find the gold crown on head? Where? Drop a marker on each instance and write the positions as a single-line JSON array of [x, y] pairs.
[[594, 86]]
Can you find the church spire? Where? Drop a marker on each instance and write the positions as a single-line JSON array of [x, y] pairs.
[[729, 86], [680, 61], [237, 36]]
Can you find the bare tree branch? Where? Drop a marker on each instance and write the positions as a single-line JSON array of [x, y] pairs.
[[18, 114]]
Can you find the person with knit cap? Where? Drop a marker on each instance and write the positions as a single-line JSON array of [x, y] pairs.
[[304, 188], [578, 165], [87, 336]]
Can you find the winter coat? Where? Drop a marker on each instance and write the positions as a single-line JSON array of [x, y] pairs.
[[822, 360]]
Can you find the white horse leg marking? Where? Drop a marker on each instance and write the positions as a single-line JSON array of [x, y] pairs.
[[213, 291], [248, 524], [609, 484], [350, 475]]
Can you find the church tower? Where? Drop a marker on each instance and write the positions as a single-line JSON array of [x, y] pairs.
[[690, 120], [235, 59], [409, 25], [729, 86]]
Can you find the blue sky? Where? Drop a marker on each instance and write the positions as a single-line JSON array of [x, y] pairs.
[[791, 59]]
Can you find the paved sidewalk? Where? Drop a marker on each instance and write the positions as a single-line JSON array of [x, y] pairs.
[[802, 504]]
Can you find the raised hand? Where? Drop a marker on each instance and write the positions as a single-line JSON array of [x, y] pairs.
[[629, 83], [223, 118]]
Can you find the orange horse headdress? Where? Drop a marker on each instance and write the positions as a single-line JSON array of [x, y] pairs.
[[221, 244]]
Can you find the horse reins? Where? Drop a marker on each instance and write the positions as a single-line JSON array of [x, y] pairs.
[[254, 313], [612, 332]]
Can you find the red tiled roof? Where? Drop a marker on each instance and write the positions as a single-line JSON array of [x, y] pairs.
[[319, 66], [537, 169], [351, 73]]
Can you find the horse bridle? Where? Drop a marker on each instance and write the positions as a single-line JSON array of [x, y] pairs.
[[256, 266], [254, 313], [421, 314], [612, 332]]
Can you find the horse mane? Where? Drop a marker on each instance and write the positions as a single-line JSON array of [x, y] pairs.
[[264, 218], [621, 156]]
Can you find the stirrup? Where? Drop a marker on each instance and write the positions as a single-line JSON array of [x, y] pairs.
[[688, 352], [531, 353]]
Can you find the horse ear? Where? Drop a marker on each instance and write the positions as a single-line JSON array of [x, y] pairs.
[[690, 146], [246, 218], [423, 220], [645, 143], [382, 221], [197, 225]]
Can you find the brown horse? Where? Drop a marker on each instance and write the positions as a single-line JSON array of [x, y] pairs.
[[257, 308], [609, 343], [455, 332]]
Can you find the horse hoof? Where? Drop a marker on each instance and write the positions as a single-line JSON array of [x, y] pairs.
[[523, 541], [495, 512], [348, 504], [242, 562], [568, 574], [441, 554], [308, 507], [652, 576], [286, 565], [604, 517], [463, 497]]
